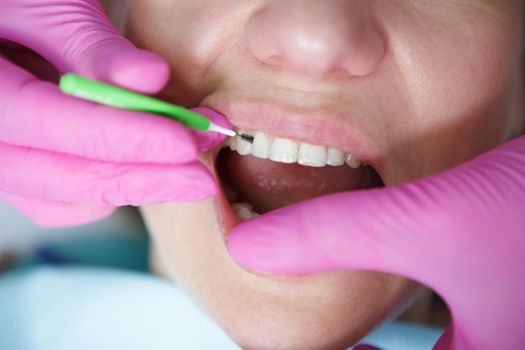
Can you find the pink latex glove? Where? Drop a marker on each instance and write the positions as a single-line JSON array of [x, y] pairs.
[[66, 161], [461, 232]]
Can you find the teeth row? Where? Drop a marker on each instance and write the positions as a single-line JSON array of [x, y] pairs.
[[244, 210], [288, 151]]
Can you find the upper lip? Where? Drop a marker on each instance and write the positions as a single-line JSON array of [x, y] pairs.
[[315, 126]]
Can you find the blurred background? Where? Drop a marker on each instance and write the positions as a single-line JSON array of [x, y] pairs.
[[123, 235], [19, 235]]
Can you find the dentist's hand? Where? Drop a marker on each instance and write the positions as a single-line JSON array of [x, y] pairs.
[[461, 232], [66, 161]]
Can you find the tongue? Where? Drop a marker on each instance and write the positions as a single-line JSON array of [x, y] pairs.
[[269, 185]]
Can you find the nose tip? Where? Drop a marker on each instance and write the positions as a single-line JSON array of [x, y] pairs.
[[317, 38]]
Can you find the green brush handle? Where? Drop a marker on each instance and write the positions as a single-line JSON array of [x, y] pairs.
[[111, 95]]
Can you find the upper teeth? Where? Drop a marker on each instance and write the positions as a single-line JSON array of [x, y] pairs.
[[284, 150]]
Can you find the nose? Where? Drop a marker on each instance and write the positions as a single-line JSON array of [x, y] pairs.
[[317, 38]]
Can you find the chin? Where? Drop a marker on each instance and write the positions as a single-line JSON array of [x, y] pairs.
[[331, 310]]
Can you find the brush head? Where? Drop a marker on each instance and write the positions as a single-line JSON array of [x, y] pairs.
[[220, 129], [246, 137]]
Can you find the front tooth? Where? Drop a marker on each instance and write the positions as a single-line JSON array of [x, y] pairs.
[[312, 155], [233, 143], [243, 147], [336, 157], [352, 161], [261, 145], [283, 150]]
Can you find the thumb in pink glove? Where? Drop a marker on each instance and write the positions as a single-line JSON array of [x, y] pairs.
[[68, 162], [460, 232]]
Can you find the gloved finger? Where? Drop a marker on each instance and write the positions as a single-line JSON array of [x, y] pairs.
[[77, 36], [433, 230], [52, 214], [53, 176], [207, 140], [35, 113]]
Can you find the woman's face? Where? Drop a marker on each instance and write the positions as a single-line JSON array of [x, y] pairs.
[[409, 88]]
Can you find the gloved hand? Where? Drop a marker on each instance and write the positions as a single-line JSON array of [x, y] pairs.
[[460, 232], [67, 161]]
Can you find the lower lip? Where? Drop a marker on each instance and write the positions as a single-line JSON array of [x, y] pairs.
[[226, 217]]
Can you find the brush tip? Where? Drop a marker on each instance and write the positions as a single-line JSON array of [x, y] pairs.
[[247, 138], [220, 129]]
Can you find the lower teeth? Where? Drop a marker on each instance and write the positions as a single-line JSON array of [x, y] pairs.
[[244, 210]]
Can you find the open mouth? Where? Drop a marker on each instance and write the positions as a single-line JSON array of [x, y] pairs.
[[275, 171]]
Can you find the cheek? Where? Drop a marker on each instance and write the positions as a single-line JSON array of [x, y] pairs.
[[450, 92], [458, 85], [190, 34]]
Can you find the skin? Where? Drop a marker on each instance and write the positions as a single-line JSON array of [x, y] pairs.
[[431, 83]]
